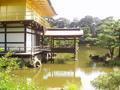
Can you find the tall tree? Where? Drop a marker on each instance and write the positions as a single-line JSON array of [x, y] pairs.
[[117, 35], [91, 22], [62, 22], [106, 37], [74, 23], [51, 21]]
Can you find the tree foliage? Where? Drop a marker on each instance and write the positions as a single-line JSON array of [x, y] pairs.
[[108, 35], [110, 81], [106, 32], [7, 64]]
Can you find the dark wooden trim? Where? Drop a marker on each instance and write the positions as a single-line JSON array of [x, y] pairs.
[[31, 45], [2, 42], [63, 39], [2, 27], [20, 32], [69, 29], [16, 21], [61, 36], [11, 42], [15, 32], [74, 42], [15, 26], [74, 47], [2, 32], [50, 42], [25, 37], [15, 42], [31, 33], [53, 42], [31, 24], [5, 37], [62, 50]]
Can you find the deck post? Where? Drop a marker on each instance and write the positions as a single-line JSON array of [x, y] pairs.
[[74, 47], [42, 36], [25, 36], [76, 50], [5, 37], [53, 42]]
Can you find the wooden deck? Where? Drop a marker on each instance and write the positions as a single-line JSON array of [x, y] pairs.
[[63, 50], [32, 52]]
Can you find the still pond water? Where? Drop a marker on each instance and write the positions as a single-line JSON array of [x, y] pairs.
[[55, 76]]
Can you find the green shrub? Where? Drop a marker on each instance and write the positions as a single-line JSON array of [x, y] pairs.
[[7, 62], [112, 63], [6, 83], [73, 87], [60, 61], [1, 49], [110, 81]]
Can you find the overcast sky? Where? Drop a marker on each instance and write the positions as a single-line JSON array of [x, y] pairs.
[[80, 8]]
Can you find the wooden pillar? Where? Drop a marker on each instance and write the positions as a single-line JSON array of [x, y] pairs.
[[5, 37], [76, 50], [74, 47], [50, 42], [53, 42], [25, 37], [42, 37]]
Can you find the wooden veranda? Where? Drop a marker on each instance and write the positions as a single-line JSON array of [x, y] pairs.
[[71, 36]]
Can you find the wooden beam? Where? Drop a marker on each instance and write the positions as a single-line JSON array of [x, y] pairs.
[[25, 37], [12, 42], [5, 37]]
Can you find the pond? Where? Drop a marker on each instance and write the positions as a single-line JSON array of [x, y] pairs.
[[57, 76]]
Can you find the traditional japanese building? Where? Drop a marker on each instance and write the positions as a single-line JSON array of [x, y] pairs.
[[22, 23], [23, 27]]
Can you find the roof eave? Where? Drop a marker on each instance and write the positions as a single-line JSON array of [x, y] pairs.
[[52, 7]]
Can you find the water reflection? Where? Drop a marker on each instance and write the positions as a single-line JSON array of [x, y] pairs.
[[77, 75], [87, 78], [61, 74], [57, 76]]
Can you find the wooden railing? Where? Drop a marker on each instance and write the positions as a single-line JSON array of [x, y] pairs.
[[28, 49]]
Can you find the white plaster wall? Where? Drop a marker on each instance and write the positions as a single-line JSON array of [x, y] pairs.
[[2, 45], [15, 47], [28, 30], [2, 37], [15, 29], [15, 37], [33, 40], [2, 29], [28, 42]]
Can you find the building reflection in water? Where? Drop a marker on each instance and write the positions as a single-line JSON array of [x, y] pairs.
[[57, 75]]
